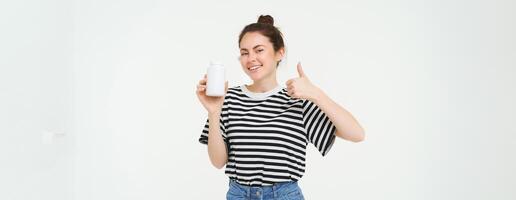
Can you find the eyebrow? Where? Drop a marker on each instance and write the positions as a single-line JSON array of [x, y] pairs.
[[253, 47]]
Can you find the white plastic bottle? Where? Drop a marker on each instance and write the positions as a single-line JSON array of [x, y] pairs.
[[215, 85]]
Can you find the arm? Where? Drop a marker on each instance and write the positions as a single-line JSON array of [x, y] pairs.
[[216, 146], [347, 126]]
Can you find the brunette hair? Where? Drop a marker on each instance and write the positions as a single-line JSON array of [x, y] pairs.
[[265, 26]]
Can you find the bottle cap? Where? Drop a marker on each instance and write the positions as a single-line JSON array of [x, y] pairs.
[[213, 63]]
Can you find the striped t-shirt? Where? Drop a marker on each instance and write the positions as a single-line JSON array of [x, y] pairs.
[[266, 135]]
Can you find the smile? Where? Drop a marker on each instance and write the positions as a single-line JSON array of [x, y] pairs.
[[254, 67]]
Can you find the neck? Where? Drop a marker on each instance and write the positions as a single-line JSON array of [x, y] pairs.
[[263, 85]]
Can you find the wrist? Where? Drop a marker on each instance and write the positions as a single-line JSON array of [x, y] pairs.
[[213, 114], [318, 95]]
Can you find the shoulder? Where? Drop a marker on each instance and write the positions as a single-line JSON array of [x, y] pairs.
[[235, 90], [235, 93], [287, 99]]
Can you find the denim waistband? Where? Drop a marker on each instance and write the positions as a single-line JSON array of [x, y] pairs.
[[260, 192]]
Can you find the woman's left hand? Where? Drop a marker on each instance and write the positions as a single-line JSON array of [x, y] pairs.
[[301, 87]]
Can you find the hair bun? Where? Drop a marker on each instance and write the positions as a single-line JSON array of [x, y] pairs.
[[266, 19]]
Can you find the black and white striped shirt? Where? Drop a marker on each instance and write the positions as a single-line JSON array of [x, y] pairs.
[[267, 133]]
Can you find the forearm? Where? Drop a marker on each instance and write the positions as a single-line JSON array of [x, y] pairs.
[[216, 147], [347, 126]]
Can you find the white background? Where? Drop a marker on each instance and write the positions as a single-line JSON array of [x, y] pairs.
[[97, 98]]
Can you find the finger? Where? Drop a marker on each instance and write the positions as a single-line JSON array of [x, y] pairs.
[[289, 82], [202, 82], [294, 94], [200, 94], [300, 70], [226, 86], [290, 92], [204, 78]]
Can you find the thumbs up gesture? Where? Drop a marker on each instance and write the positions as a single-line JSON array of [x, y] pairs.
[[301, 87]]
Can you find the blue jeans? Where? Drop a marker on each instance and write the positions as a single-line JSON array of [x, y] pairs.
[[279, 191]]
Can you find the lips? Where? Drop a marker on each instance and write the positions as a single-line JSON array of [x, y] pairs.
[[254, 68]]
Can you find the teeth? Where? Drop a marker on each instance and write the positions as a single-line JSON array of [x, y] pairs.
[[254, 67]]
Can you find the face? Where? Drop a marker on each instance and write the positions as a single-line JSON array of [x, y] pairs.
[[257, 56]]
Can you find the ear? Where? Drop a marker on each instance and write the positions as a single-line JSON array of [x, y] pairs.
[[280, 54]]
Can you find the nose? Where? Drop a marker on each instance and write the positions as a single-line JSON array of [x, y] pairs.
[[252, 57]]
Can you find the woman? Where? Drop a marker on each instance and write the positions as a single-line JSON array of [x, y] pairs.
[[260, 131]]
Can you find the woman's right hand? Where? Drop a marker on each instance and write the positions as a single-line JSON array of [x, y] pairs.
[[212, 104]]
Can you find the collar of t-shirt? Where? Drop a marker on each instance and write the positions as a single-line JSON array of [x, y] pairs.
[[260, 95]]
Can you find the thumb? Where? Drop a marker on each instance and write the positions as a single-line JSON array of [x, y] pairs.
[[300, 70]]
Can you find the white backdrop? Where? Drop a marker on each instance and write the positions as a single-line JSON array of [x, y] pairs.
[[432, 83], [36, 100]]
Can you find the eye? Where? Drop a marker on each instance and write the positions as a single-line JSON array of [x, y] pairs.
[[243, 54], [259, 50]]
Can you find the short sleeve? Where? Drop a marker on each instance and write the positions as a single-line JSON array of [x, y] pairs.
[[203, 139], [320, 130]]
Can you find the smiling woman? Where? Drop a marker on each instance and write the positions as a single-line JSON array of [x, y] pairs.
[[260, 131], [259, 59]]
